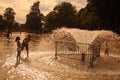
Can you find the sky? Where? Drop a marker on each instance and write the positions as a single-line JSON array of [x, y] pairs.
[[22, 7]]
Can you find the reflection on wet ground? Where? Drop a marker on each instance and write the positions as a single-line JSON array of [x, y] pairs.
[[8, 59], [42, 65]]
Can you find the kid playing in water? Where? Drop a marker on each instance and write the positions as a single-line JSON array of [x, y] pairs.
[[25, 44], [8, 33], [106, 50], [19, 48]]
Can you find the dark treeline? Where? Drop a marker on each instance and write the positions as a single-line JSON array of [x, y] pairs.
[[7, 20], [108, 13], [33, 22], [97, 15]]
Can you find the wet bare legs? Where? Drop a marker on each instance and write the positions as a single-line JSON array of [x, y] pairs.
[[18, 57]]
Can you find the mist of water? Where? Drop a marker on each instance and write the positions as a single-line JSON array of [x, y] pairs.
[[42, 64]]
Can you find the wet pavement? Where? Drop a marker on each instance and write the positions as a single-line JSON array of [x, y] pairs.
[[42, 64]]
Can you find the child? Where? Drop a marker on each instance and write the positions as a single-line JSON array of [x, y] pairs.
[[19, 48], [106, 50], [25, 44], [8, 33]]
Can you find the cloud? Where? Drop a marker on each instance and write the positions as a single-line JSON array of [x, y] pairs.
[[22, 7]]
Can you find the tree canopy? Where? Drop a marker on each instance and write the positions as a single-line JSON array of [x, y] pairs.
[[87, 17], [66, 14], [98, 14], [63, 14], [33, 22], [109, 12], [9, 17]]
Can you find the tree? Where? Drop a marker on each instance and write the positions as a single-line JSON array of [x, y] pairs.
[[88, 18], [63, 14], [109, 12], [33, 22], [9, 17], [66, 14], [51, 21]]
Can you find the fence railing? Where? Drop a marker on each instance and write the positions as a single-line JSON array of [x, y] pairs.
[[79, 51]]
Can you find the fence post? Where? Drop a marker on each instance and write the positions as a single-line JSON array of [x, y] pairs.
[[55, 49], [91, 56], [83, 57], [91, 60], [99, 50]]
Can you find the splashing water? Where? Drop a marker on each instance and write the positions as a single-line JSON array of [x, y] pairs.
[[42, 65]]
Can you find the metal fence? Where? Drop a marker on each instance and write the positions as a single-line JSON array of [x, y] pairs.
[[79, 51]]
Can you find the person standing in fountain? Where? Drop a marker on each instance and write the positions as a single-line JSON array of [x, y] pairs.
[[8, 33], [19, 48], [25, 44], [106, 50]]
